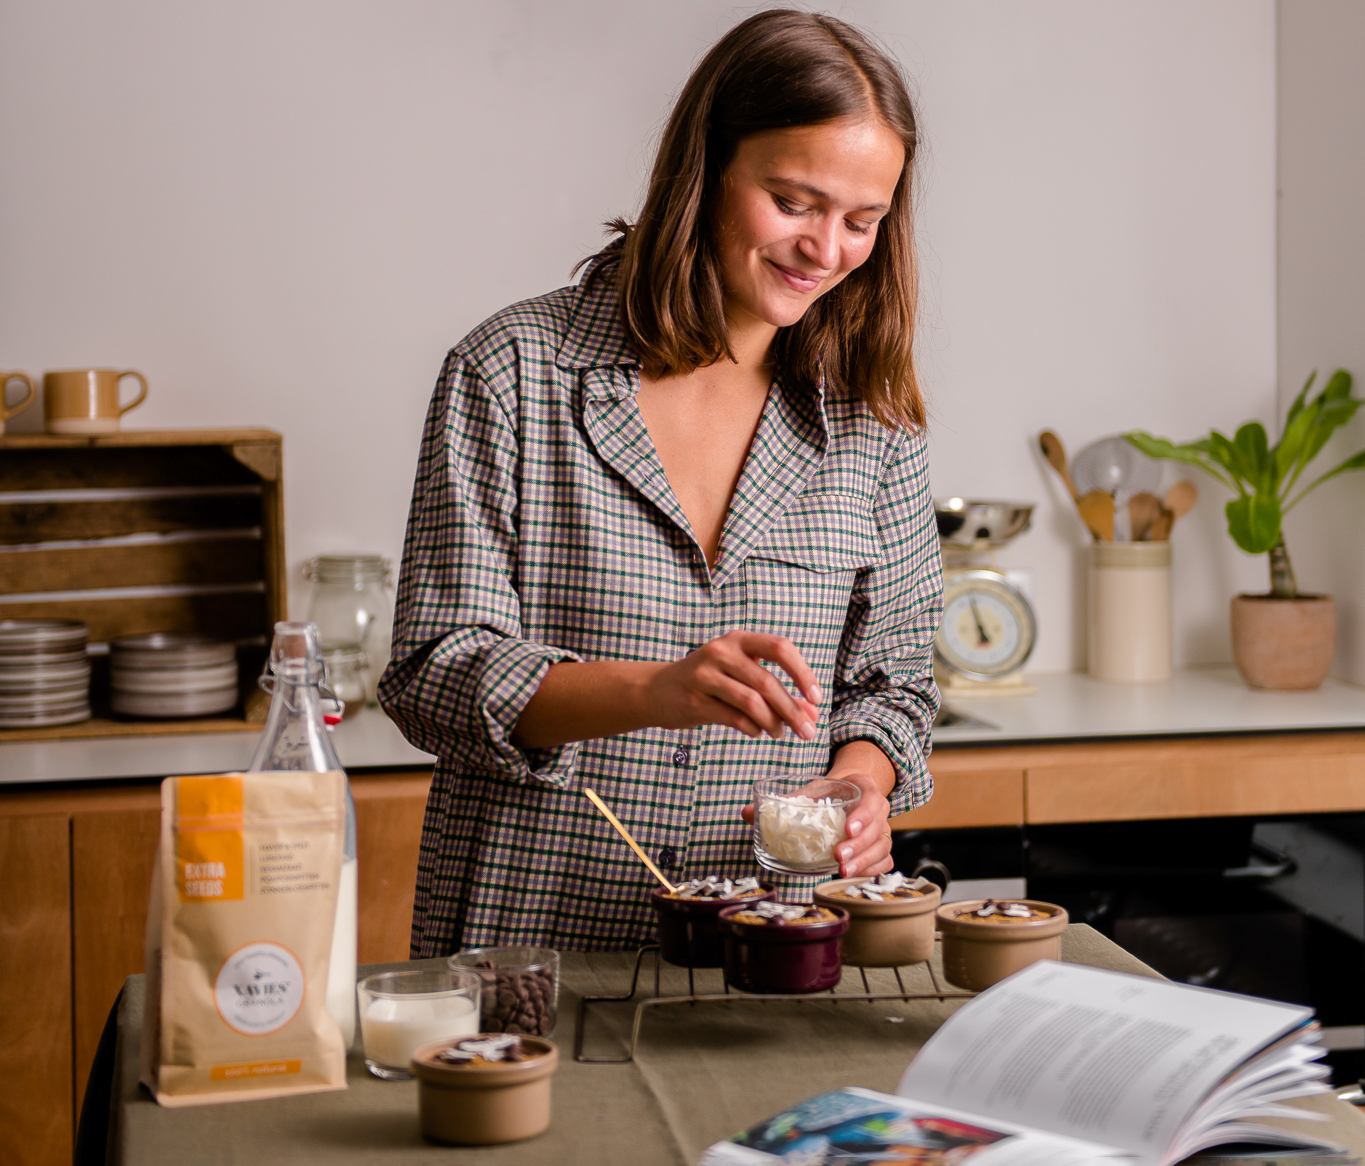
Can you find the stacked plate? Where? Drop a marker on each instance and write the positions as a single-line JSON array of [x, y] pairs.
[[172, 674], [44, 673]]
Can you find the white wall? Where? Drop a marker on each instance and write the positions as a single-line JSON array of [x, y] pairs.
[[1322, 284], [284, 213]]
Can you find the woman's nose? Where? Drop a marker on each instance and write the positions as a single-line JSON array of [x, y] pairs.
[[820, 244]]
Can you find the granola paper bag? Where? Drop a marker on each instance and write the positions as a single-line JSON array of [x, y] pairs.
[[239, 931]]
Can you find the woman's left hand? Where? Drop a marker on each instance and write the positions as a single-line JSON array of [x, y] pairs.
[[868, 849]]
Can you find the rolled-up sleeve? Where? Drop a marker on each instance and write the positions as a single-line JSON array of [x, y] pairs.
[[884, 689], [461, 670]]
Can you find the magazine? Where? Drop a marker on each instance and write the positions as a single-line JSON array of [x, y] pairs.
[[1063, 1064]]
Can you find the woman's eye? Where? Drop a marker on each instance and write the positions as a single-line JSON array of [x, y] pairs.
[[861, 228], [786, 207]]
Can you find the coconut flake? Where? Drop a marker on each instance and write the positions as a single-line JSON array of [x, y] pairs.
[[801, 831], [712, 887]]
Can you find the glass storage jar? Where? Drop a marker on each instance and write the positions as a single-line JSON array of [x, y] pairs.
[[345, 671], [353, 608]]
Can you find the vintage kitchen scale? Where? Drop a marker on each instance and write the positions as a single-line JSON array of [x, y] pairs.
[[988, 628]]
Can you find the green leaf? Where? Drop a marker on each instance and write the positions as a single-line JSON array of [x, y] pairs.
[[1191, 454], [1297, 430], [1354, 462], [1253, 454], [1339, 387], [1254, 522], [1226, 454], [1297, 406], [1334, 414]]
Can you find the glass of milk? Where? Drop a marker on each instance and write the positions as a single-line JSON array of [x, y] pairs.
[[401, 1010]]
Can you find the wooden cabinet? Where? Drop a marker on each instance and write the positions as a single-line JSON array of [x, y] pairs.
[[75, 868], [1124, 781], [36, 1084]]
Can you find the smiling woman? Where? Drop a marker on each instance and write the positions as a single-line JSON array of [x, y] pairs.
[[636, 495]]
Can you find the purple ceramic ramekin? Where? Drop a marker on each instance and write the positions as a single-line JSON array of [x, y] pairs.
[[687, 927], [770, 957]]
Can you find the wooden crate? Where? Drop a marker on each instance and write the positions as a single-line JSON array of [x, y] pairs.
[[146, 531]]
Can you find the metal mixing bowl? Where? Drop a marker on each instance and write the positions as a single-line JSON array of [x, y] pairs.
[[972, 522]]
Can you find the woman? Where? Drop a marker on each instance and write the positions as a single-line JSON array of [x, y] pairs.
[[635, 492]]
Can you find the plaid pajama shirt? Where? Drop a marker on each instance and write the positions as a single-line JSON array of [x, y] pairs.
[[543, 529]]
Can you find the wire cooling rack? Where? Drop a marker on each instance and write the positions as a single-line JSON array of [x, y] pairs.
[[659, 1000]]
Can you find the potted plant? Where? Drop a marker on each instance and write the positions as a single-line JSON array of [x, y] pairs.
[[1283, 639]]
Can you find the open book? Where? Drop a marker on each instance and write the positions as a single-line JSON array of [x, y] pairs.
[[1065, 1064]]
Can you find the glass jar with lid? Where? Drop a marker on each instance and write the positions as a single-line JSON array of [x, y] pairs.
[[353, 608], [345, 669]]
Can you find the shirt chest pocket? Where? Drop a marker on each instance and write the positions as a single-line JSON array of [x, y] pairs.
[[800, 579], [824, 533]]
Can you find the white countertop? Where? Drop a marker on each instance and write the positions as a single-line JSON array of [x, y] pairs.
[[1068, 706], [1072, 706], [369, 741]]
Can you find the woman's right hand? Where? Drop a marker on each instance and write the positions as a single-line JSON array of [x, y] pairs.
[[725, 683]]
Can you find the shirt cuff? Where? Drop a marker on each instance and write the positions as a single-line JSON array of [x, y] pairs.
[[895, 737], [511, 673]]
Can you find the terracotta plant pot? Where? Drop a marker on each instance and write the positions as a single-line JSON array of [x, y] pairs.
[[978, 953], [687, 927], [485, 1105], [1284, 644], [888, 934], [762, 957]]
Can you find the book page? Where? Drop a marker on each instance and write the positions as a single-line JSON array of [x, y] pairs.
[[1117, 1059], [859, 1125]]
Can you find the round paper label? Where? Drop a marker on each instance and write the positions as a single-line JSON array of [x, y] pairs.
[[259, 988]]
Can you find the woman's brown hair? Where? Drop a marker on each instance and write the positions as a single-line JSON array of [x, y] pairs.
[[776, 70]]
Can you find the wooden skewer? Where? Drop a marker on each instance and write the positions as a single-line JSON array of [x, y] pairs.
[[635, 846]]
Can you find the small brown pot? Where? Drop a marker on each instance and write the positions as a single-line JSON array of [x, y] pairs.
[[485, 1105], [977, 954], [888, 934], [1284, 644]]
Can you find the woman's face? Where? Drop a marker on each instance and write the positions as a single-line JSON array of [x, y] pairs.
[[798, 210]]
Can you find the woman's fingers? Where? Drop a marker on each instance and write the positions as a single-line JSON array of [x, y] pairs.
[[873, 857], [781, 651], [724, 682]]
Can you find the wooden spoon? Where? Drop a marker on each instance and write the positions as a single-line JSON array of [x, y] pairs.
[[1180, 499], [1143, 510], [635, 846], [1055, 453], [1097, 511], [1160, 530]]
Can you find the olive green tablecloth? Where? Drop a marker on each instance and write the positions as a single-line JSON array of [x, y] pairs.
[[702, 1073]]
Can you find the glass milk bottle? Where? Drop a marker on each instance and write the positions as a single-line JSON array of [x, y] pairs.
[[352, 608], [296, 738]]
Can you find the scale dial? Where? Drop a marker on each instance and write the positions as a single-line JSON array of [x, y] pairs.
[[988, 628]]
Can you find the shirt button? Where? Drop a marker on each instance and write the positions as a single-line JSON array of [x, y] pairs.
[[680, 757], [668, 857]]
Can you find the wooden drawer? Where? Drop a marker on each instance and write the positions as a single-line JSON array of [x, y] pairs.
[[972, 787], [1204, 778]]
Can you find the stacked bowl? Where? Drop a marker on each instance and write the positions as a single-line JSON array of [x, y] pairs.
[[44, 673], [172, 674]]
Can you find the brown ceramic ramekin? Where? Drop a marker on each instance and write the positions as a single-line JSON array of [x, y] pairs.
[[978, 953], [888, 934], [484, 1105]]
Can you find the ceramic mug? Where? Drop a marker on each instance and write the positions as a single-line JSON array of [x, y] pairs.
[[6, 410], [85, 401]]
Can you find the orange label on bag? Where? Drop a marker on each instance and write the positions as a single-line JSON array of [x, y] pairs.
[[208, 848], [255, 1069]]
